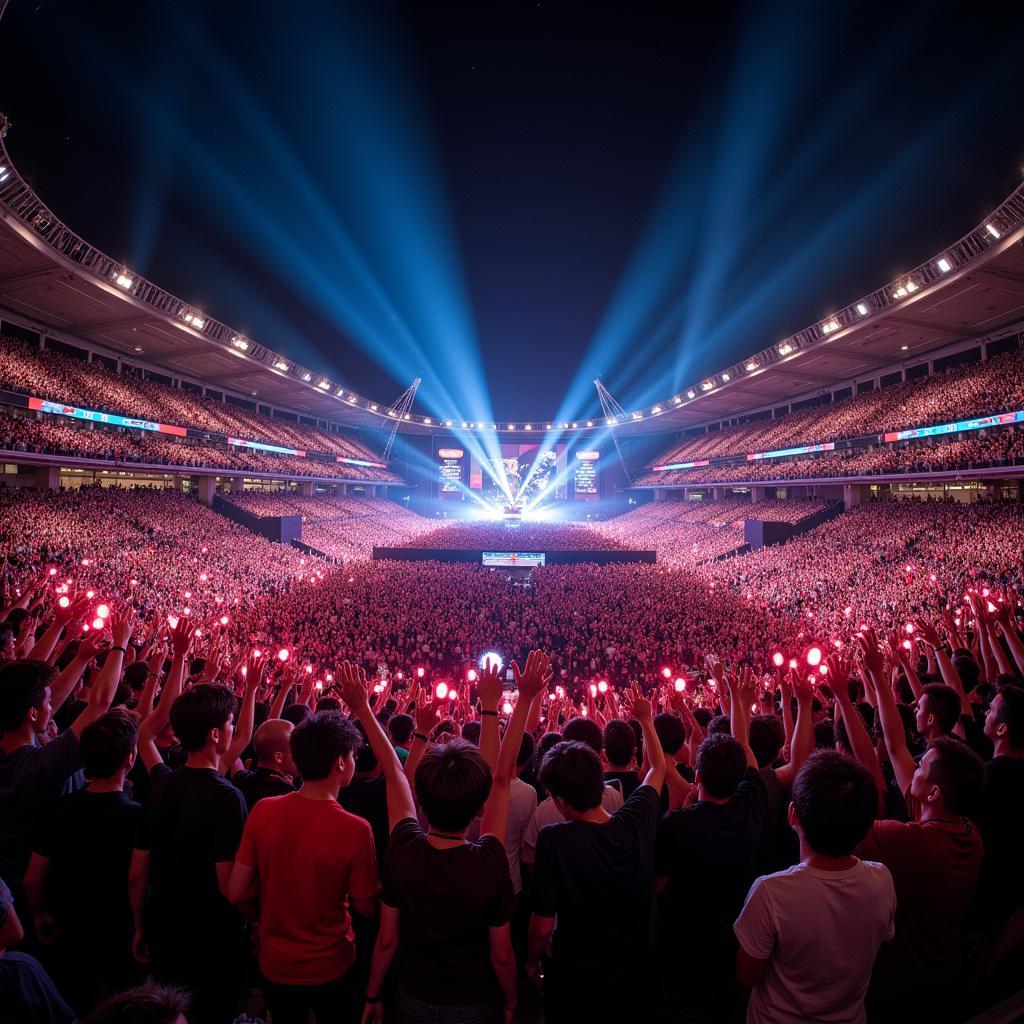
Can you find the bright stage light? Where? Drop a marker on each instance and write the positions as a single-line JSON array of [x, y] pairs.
[[862, 309], [491, 658], [785, 348], [280, 365], [751, 366], [238, 341], [992, 230], [944, 265]]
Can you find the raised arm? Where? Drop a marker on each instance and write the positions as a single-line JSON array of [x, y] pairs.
[[101, 694], [856, 731], [246, 714], [640, 708], [489, 690], [530, 681], [740, 697], [353, 684], [802, 744]]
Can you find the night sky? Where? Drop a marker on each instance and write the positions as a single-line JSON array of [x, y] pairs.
[[519, 194]]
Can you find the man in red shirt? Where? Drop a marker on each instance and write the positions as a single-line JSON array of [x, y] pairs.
[[307, 860], [934, 859]]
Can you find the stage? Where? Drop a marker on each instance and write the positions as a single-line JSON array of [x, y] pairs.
[[513, 559]]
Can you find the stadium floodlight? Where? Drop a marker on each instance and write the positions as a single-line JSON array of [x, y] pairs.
[[944, 265], [351, 399], [590, 423], [862, 308], [408, 416], [123, 280], [323, 384], [785, 348], [529, 426], [548, 427], [448, 423], [751, 366], [307, 377], [574, 426], [280, 365], [677, 400], [426, 419], [479, 426], [339, 392], [911, 287], [464, 424], [830, 326], [656, 409], [726, 378], [240, 342], [992, 230], [900, 293], [194, 319], [706, 386], [511, 426], [373, 407], [690, 393]]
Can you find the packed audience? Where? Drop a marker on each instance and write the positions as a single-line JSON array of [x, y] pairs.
[[54, 435], [963, 392], [341, 527], [334, 804], [51, 375], [980, 450], [526, 536]]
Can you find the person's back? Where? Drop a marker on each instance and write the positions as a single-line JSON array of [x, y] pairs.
[[935, 863], [309, 860], [809, 935]]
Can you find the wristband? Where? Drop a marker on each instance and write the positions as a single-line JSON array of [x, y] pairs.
[[123, 650], [420, 736], [495, 713]]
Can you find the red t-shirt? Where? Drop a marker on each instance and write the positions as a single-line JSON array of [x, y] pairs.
[[934, 867], [310, 855]]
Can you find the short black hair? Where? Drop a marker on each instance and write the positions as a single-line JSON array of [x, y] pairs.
[[319, 741], [23, 684], [106, 742], [328, 704], [619, 743], [721, 764], [719, 725], [767, 738], [148, 1004], [671, 732], [583, 730], [452, 783], [366, 759], [571, 770], [471, 732], [1011, 713], [195, 712], [296, 713], [135, 676], [824, 735], [400, 729], [958, 772], [943, 702], [835, 799], [526, 748], [967, 669]]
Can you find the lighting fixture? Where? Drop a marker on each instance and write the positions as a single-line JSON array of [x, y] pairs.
[[426, 419], [307, 377], [529, 426], [862, 308], [725, 378], [830, 326], [123, 280], [992, 230], [785, 348], [689, 394], [323, 384], [373, 408], [751, 366], [706, 386], [280, 365], [944, 265], [339, 392], [911, 287], [590, 423], [903, 348]]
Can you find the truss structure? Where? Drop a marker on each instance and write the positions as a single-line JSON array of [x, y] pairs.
[[614, 416], [398, 411]]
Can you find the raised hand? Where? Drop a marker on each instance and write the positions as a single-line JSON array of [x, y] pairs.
[[637, 704], [181, 637], [427, 711], [122, 625], [489, 686], [535, 677], [354, 687]]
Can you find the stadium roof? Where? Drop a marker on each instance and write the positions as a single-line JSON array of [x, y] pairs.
[[972, 291]]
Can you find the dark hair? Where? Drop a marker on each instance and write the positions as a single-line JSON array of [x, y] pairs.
[[703, 717], [148, 1004], [721, 763], [767, 737], [583, 730], [135, 675], [1011, 714], [943, 702], [328, 704], [106, 742], [619, 743], [958, 772], [320, 740], [835, 799], [195, 712], [452, 783], [719, 725], [571, 770], [824, 735], [471, 733], [967, 669], [23, 684], [296, 713], [400, 729], [545, 743], [671, 732], [526, 748]]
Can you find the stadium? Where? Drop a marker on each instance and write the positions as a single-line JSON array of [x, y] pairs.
[[317, 704]]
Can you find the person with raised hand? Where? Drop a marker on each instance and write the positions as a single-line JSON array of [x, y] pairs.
[[447, 902], [594, 874]]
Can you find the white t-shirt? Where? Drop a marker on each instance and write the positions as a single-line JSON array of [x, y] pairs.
[[820, 932], [522, 802], [547, 813]]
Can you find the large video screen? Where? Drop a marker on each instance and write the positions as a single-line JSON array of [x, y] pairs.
[[584, 476], [530, 469], [451, 462], [513, 559]]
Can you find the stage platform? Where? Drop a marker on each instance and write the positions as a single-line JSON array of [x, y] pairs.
[[516, 559]]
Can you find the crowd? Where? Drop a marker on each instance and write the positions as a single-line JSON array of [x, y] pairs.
[[981, 450], [688, 533], [341, 527], [53, 435], [51, 375], [963, 392], [334, 802], [527, 536]]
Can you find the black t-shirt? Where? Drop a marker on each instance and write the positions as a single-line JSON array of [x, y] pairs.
[[779, 847], [31, 778], [1000, 819], [598, 879], [447, 900], [708, 851], [368, 798], [628, 782], [261, 782], [191, 821], [88, 838]]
